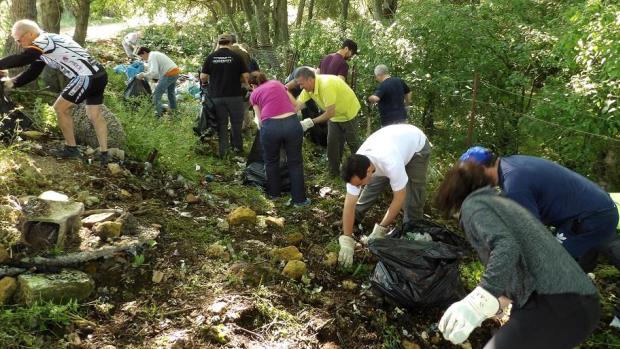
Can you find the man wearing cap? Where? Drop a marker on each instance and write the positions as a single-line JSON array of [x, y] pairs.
[[583, 214], [162, 68], [340, 106], [397, 155], [392, 95], [336, 63], [224, 72]]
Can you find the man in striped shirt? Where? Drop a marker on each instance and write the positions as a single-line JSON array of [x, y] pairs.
[[87, 79]]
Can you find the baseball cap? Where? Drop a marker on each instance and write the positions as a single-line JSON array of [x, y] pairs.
[[225, 37], [477, 154], [352, 45]]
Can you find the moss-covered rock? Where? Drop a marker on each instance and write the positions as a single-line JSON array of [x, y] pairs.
[[59, 288], [289, 253], [242, 215], [294, 269]]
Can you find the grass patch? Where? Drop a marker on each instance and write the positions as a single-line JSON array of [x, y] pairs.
[[22, 327], [471, 273]]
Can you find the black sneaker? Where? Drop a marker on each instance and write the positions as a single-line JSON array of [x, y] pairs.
[[68, 152], [103, 158]]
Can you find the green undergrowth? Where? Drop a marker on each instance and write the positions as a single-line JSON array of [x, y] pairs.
[[29, 327], [171, 135]]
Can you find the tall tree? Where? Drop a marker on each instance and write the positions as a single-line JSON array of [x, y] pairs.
[[310, 9], [261, 12], [280, 21], [50, 12], [345, 11], [229, 9], [81, 11], [384, 9], [20, 9], [249, 17], [300, 13]]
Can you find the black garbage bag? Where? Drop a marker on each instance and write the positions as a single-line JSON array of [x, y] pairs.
[[136, 88], [419, 273], [11, 120], [206, 124], [254, 173]]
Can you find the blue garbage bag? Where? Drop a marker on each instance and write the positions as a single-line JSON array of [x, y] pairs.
[[120, 69], [134, 69]]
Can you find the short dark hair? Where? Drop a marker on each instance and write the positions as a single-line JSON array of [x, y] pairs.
[[350, 44], [460, 181], [356, 165], [143, 50], [305, 72]]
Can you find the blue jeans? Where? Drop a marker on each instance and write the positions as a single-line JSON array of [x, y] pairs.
[[287, 133], [165, 84]]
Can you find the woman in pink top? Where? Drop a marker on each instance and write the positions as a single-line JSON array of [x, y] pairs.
[[279, 127]]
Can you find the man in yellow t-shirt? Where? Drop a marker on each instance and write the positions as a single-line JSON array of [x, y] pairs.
[[340, 106]]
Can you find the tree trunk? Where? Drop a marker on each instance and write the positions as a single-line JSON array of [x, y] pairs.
[[384, 9], [280, 16], [261, 11], [345, 12], [81, 11], [50, 12], [229, 8], [310, 10], [20, 9], [249, 17], [300, 13]]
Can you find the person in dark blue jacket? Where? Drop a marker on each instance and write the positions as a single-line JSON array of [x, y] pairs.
[[583, 214]]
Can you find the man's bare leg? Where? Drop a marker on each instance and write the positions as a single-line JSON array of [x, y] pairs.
[[65, 121], [94, 113]]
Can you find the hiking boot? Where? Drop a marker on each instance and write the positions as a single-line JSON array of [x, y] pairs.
[[103, 158], [67, 152]]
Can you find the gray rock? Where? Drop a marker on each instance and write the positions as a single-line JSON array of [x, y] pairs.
[[85, 133], [65, 214], [69, 284]]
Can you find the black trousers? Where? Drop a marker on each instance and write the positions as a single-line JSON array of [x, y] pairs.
[[559, 321]]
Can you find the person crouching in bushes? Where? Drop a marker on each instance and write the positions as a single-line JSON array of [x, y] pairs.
[[554, 303], [274, 108]]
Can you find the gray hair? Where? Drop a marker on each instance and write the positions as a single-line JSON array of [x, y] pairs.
[[381, 69], [24, 26], [305, 72]]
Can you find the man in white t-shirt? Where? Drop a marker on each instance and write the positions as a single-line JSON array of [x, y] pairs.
[[397, 155]]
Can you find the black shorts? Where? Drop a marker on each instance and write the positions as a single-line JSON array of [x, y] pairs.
[[89, 88]]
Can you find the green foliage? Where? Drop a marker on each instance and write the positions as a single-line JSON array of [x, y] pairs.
[[471, 273], [172, 136], [44, 116], [27, 327], [548, 73]]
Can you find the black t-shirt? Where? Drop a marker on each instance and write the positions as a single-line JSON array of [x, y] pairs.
[[224, 68], [392, 93]]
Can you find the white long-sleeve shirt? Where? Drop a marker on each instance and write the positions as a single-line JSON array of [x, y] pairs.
[[158, 65]]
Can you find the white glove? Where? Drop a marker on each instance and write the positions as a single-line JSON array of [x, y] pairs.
[[306, 124], [464, 316], [347, 245], [378, 232], [140, 76], [8, 83]]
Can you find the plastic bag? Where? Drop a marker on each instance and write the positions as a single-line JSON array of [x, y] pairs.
[[207, 120], [419, 273], [134, 69], [255, 173], [136, 88], [11, 119]]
